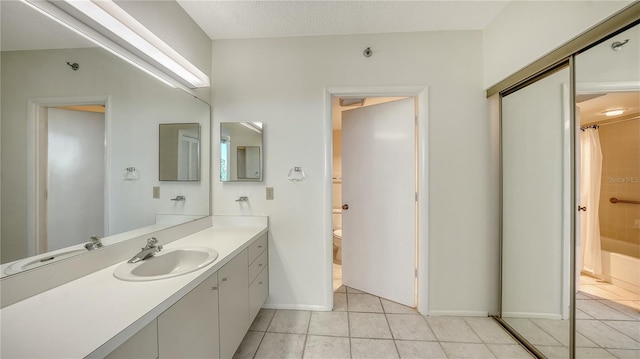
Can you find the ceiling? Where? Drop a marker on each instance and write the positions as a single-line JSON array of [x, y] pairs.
[[592, 110], [268, 18]]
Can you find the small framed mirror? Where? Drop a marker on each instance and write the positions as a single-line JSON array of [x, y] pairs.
[[241, 152], [179, 152]]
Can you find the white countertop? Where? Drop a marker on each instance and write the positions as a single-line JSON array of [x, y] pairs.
[[94, 314]]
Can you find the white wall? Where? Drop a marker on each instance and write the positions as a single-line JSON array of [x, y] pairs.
[[283, 82], [526, 30], [138, 103]]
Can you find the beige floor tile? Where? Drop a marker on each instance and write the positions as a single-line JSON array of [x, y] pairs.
[[290, 321], [318, 347], [373, 349], [559, 330], [604, 335], [369, 325], [509, 351], [630, 328], [582, 315], [329, 323], [363, 303], [467, 351], [249, 345], [340, 289], [420, 350], [337, 283], [533, 333], [489, 331], [281, 346], [261, 323], [396, 308], [355, 291], [339, 302], [554, 352], [410, 327], [598, 291], [452, 329], [625, 353], [599, 310], [626, 307], [593, 353]]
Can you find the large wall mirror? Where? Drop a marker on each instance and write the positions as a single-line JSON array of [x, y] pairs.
[[80, 146], [241, 151]]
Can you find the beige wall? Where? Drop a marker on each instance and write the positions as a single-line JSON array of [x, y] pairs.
[[620, 178]]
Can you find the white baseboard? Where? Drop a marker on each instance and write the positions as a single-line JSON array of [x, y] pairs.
[[524, 315], [457, 313]]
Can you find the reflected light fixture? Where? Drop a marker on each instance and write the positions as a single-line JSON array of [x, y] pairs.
[[180, 72], [611, 113]]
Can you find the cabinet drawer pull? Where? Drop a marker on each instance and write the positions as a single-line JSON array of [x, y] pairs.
[[214, 288], [224, 279], [260, 265], [259, 246], [259, 282]]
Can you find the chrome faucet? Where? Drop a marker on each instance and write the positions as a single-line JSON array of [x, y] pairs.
[[95, 243], [147, 252]]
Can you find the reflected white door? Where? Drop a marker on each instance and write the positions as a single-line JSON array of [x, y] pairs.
[[75, 191], [378, 185]]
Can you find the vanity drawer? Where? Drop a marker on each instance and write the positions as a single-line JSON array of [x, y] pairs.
[[258, 293], [257, 247], [258, 265]]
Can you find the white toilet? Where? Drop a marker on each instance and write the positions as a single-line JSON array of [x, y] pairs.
[[337, 236], [337, 246]]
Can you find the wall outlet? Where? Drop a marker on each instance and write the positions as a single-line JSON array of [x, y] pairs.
[[269, 193], [156, 192]]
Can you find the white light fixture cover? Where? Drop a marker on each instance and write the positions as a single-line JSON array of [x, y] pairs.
[[114, 18], [612, 113], [179, 71]]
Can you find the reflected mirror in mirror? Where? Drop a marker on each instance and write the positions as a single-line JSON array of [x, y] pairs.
[[241, 151], [40, 222], [179, 152], [608, 232]]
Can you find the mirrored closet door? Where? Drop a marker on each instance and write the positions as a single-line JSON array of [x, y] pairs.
[[608, 192], [535, 207]]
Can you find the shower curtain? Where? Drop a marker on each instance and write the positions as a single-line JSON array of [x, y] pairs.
[[591, 173]]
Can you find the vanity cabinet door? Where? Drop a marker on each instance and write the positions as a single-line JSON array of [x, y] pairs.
[[142, 345], [189, 328], [234, 303]]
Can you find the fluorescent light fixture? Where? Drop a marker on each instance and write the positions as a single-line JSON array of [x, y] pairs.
[[180, 72], [118, 21], [611, 113]]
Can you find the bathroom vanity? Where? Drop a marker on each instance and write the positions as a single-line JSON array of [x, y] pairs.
[[204, 313]]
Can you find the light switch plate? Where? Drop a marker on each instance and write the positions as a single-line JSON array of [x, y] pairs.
[[156, 192], [269, 193]]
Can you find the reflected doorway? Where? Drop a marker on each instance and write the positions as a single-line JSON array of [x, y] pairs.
[[71, 179]]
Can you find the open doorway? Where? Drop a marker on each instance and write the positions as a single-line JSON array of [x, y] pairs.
[[374, 202]]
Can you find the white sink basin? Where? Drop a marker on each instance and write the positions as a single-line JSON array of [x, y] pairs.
[[167, 264], [42, 259]]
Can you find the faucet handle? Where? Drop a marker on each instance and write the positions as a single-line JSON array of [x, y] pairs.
[[151, 242]]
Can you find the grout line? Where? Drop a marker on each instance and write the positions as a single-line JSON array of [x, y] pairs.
[[306, 336], [264, 334], [348, 321]]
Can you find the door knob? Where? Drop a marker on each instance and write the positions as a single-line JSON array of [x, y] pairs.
[[345, 206]]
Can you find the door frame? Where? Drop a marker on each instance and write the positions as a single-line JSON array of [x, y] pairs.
[[37, 169], [422, 174]]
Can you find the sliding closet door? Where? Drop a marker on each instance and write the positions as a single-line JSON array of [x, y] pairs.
[[608, 257], [535, 208]]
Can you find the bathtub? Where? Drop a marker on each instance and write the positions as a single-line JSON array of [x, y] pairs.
[[621, 263]]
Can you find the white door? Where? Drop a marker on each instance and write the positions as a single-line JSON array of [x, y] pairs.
[[378, 186], [75, 192]]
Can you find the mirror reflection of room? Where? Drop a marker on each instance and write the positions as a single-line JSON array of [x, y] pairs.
[[179, 152], [608, 224], [241, 151]]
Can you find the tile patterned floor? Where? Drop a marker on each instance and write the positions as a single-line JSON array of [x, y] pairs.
[[607, 325], [368, 327]]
